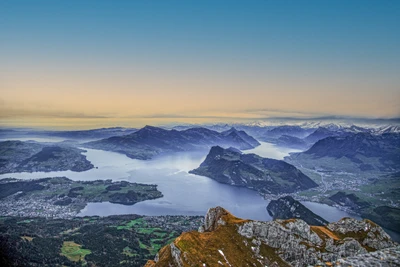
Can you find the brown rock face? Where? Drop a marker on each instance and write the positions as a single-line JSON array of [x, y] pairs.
[[226, 240], [214, 218]]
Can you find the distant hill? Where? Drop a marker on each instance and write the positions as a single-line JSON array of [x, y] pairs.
[[291, 142], [18, 156], [349, 200], [386, 216], [322, 133], [290, 130], [388, 129], [91, 134], [242, 134], [299, 136], [362, 151], [252, 171], [151, 141], [288, 208]]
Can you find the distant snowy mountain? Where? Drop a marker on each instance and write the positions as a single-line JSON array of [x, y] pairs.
[[357, 129], [387, 129]]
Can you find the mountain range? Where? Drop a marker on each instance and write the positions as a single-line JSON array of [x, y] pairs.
[[362, 151], [301, 136], [152, 141], [87, 135]]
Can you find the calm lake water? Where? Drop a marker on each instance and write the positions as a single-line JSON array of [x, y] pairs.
[[184, 193], [268, 150]]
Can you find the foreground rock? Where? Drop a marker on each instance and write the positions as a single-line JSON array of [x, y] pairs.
[[387, 257], [229, 241], [268, 176], [287, 208]]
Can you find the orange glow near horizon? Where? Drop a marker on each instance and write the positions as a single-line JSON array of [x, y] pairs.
[[131, 63], [103, 101]]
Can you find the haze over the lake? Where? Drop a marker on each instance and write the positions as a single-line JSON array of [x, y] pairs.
[[87, 64]]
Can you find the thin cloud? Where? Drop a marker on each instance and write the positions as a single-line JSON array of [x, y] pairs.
[[335, 118], [299, 113], [24, 113]]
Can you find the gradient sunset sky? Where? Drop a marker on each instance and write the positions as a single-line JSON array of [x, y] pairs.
[[87, 64]]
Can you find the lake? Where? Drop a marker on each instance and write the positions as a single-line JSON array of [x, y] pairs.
[[184, 193]]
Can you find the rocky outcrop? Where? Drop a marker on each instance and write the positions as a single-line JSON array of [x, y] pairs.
[[388, 257], [372, 236], [230, 241], [287, 208], [213, 218]]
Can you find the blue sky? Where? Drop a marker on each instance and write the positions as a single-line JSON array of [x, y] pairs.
[[190, 57]]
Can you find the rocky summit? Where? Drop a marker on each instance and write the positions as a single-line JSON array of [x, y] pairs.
[[225, 240]]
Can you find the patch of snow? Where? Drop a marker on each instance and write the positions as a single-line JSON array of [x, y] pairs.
[[226, 260]]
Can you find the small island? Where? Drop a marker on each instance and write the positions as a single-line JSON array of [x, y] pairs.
[[60, 197]]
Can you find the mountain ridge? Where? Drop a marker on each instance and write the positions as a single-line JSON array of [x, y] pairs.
[[230, 241], [365, 151], [151, 141]]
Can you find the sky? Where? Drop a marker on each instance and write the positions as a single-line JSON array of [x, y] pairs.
[[86, 64]]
